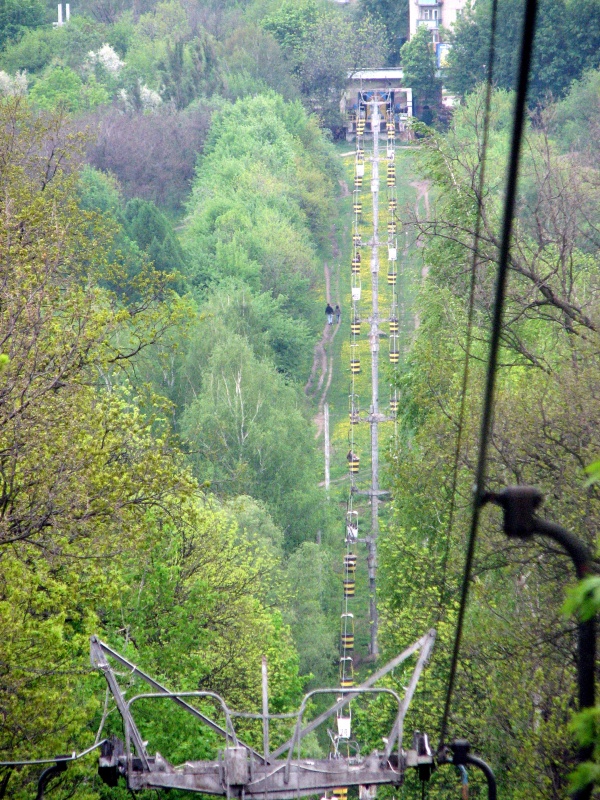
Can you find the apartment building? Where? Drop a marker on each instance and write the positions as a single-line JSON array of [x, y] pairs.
[[434, 14]]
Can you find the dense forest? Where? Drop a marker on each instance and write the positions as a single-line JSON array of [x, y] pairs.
[[174, 197]]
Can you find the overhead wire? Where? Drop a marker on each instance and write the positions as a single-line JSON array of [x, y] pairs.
[[527, 37], [471, 304]]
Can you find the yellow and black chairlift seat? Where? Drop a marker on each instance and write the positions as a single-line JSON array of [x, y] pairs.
[[353, 462], [350, 564]]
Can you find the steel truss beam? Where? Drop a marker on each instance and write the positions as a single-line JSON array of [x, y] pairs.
[[242, 772]]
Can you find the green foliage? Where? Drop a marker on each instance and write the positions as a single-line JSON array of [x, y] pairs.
[[513, 696], [58, 87], [311, 578], [189, 70], [103, 529], [154, 234], [261, 319], [259, 186], [593, 472], [43, 47], [248, 435], [254, 62], [139, 225], [584, 599], [322, 45], [395, 17], [17, 16], [99, 192], [418, 63], [575, 120], [292, 25], [62, 88], [562, 51]]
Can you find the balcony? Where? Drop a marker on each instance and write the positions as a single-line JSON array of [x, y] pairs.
[[428, 3], [430, 24]]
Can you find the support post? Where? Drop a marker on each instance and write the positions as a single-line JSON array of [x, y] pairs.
[[519, 504], [461, 757]]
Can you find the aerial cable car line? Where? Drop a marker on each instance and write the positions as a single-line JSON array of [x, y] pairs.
[[346, 658], [527, 37], [475, 261], [346, 651], [372, 102]]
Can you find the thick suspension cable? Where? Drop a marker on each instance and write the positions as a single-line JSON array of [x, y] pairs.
[[475, 262], [527, 37]]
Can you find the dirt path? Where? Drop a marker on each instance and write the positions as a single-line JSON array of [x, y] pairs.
[[321, 373], [422, 188]]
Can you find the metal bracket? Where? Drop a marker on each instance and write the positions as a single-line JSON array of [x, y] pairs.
[[236, 773]]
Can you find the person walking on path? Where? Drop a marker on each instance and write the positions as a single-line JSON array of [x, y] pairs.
[[329, 312], [338, 314]]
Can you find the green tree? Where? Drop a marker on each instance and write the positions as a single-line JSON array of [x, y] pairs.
[[394, 16], [61, 87], [574, 122], [81, 467], [248, 435], [154, 234], [102, 528], [418, 63], [253, 58], [262, 237], [44, 47], [17, 16], [561, 51], [232, 308], [292, 25], [58, 87]]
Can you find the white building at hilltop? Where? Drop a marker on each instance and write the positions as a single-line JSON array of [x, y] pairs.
[[434, 14]]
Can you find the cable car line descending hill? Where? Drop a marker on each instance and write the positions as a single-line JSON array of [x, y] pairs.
[[241, 771], [370, 108]]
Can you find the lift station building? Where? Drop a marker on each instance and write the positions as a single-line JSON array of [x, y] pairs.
[[359, 89]]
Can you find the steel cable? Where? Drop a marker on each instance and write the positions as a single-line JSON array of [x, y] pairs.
[[527, 37], [470, 313]]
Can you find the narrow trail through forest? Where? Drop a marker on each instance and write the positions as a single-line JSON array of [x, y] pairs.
[[422, 189], [323, 357]]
